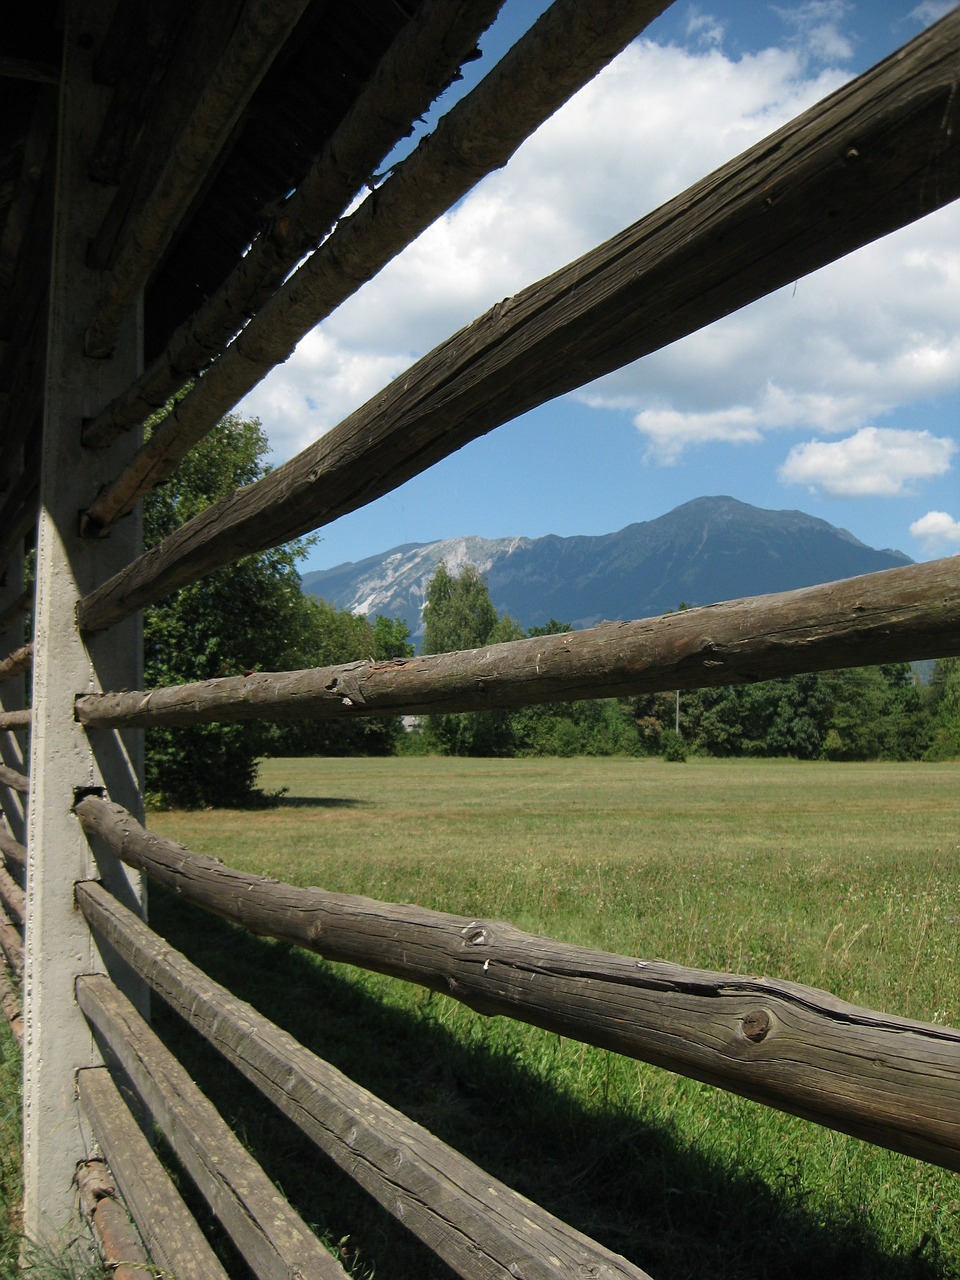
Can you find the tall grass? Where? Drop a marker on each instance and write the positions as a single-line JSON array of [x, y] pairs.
[[841, 876]]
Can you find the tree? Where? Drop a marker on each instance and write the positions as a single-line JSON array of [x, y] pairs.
[[246, 617], [459, 614], [944, 699]]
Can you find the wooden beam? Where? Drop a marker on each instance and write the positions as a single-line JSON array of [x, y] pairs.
[[175, 1243], [133, 248], [888, 1080], [118, 1244], [57, 1039], [11, 944], [14, 780], [12, 68], [10, 1003], [15, 720], [872, 157], [268, 1232], [565, 48], [17, 662], [12, 898], [479, 1226], [894, 616], [14, 853]]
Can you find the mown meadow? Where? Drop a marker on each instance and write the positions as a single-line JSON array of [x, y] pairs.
[[842, 876]]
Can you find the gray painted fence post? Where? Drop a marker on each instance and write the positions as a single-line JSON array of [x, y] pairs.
[[63, 758]]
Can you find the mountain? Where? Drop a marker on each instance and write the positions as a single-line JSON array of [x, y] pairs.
[[706, 550]]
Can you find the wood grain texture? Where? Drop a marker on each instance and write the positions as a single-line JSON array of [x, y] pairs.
[[568, 44], [14, 779], [420, 62], [892, 1081], [132, 244], [173, 1239], [17, 662], [896, 615], [478, 1225], [270, 1235], [120, 1247], [874, 156]]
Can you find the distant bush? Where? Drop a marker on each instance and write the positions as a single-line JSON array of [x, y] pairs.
[[672, 747]]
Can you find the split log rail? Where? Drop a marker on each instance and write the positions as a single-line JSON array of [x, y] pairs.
[[876, 155]]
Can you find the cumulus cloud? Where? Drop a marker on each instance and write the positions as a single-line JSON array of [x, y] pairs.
[[816, 26], [874, 462], [937, 531], [827, 355], [621, 147], [845, 345]]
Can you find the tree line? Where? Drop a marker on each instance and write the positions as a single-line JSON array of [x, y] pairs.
[[254, 616], [866, 713]]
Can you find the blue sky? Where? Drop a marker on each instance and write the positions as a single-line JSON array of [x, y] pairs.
[[839, 395]]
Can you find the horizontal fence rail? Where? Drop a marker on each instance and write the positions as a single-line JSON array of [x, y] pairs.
[[898, 614], [477, 134], [175, 1242], [120, 1248], [564, 49], [891, 1081], [14, 779], [17, 663], [876, 155], [21, 719], [477, 1224], [267, 1231], [14, 853]]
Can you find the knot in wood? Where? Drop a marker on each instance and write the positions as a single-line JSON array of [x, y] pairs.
[[475, 935], [755, 1025]]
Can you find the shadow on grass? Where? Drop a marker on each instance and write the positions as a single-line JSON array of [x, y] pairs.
[[317, 802], [629, 1182]]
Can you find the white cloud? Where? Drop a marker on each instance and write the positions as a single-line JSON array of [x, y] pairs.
[[875, 462], [704, 29], [936, 530], [842, 347], [816, 27], [831, 354], [621, 147]]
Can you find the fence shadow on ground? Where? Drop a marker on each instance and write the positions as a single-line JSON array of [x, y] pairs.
[[284, 800], [623, 1179]]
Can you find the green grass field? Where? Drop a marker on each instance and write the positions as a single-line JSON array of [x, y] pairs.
[[840, 876]]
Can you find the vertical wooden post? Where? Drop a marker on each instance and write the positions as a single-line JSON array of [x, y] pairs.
[[63, 759]]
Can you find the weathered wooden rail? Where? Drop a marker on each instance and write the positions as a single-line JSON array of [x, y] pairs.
[[473, 1221], [132, 168], [889, 1080], [877, 154], [899, 614]]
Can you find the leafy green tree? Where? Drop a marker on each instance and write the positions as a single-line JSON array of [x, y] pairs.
[[459, 614], [249, 616], [944, 701], [391, 639]]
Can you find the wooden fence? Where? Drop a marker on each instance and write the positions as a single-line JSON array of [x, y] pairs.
[[875, 155]]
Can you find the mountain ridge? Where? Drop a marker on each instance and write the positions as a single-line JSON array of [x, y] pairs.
[[705, 550]]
